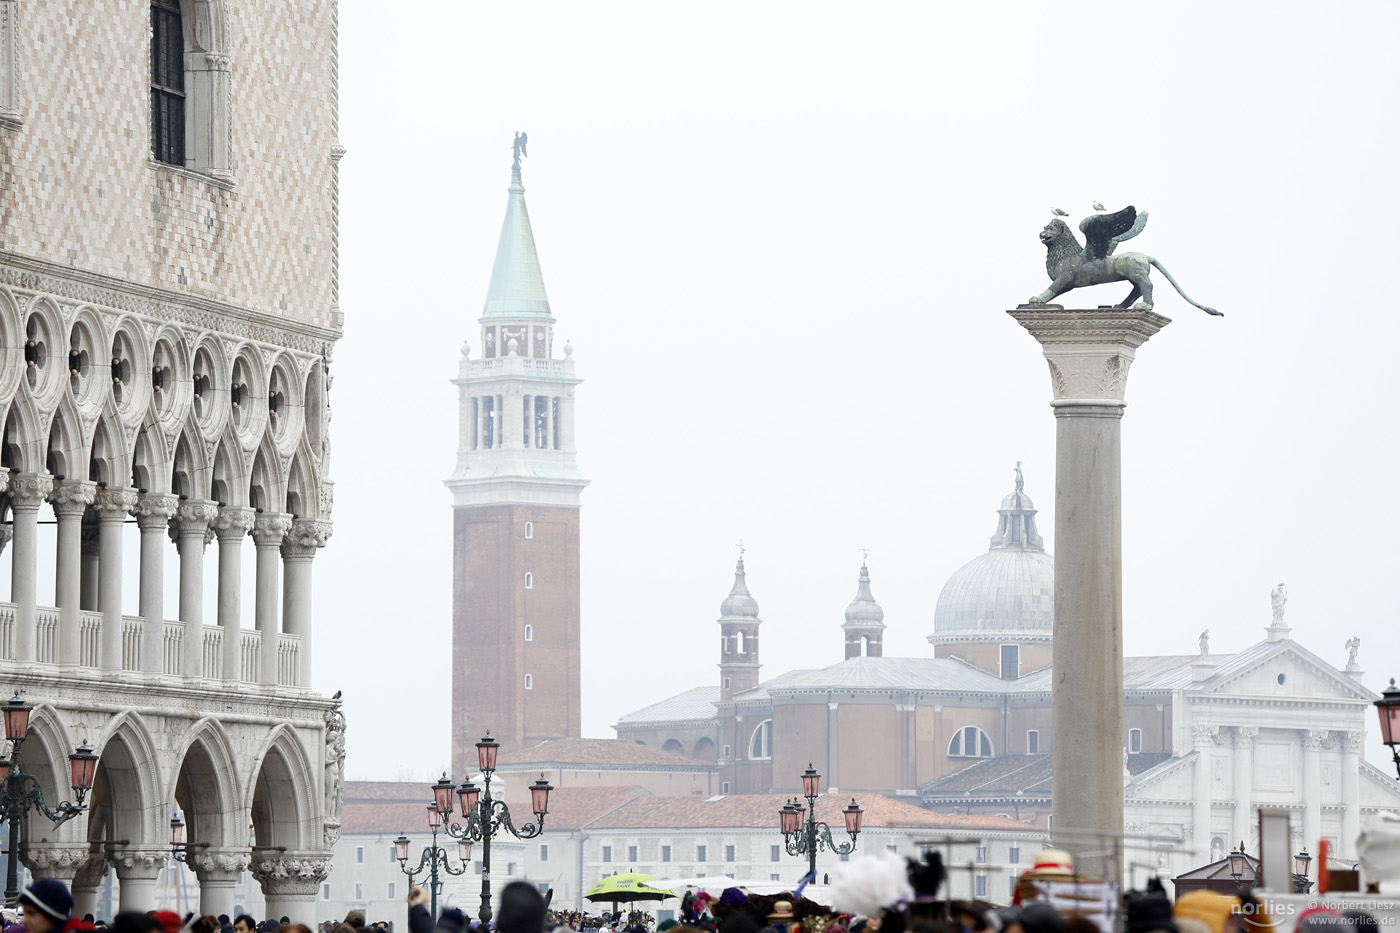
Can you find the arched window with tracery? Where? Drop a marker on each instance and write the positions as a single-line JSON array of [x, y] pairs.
[[167, 83], [761, 744], [970, 742]]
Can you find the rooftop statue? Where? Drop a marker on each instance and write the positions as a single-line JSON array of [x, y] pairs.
[[1073, 266]]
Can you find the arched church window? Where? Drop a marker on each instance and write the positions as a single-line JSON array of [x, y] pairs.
[[529, 529], [970, 742], [743, 640], [761, 744], [1134, 741], [1032, 741], [167, 83], [529, 682], [529, 633], [529, 581]]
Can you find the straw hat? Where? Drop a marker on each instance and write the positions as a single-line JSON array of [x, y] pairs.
[[1051, 864], [782, 912]]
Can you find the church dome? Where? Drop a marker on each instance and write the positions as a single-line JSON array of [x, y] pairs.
[[739, 603], [1007, 593], [864, 611]]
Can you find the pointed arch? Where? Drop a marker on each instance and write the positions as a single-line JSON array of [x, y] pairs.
[[206, 786], [108, 460], [24, 438], [66, 456], [45, 754], [230, 481], [150, 468], [283, 793], [266, 490], [302, 500], [11, 345], [189, 474], [127, 792]]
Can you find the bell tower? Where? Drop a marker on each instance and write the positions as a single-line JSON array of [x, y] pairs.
[[738, 635], [515, 511]]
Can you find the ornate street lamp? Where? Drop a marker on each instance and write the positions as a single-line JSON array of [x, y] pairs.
[[484, 817], [1238, 861], [20, 792], [1388, 706], [1301, 863], [434, 858], [809, 836]]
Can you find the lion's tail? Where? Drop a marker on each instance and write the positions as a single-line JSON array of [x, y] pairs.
[[1163, 269]]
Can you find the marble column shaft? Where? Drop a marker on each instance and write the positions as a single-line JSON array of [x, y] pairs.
[[153, 514], [188, 529], [27, 492], [1245, 821], [1313, 742], [298, 549], [1203, 737], [70, 502], [231, 525], [91, 567], [269, 529], [113, 505], [1089, 354], [1351, 794]]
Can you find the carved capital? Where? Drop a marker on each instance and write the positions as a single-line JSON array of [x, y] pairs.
[[139, 864], [1315, 740], [155, 511], [305, 537], [72, 499], [29, 490], [292, 874], [232, 523], [51, 860], [192, 519], [114, 504], [220, 864], [1244, 735], [217, 62], [270, 528], [1090, 352], [1352, 742], [1203, 735]]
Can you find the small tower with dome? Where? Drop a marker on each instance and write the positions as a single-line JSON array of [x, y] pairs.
[[865, 621], [738, 636], [997, 612]]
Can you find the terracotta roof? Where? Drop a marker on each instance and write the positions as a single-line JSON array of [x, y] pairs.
[[761, 811], [606, 752], [569, 808], [397, 791]]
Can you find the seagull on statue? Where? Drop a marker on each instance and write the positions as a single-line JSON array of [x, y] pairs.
[[1059, 213], [1098, 207]]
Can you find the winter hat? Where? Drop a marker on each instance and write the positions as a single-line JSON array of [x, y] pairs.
[[522, 909], [1151, 910], [169, 920], [356, 918], [50, 897], [451, 920]]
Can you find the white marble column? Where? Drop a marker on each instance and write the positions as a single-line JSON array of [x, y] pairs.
[[70, 502], [566, 414], [137, 870], [1203, 739], [27, 492], [86, 881], [217, 871], [298, 549], [1089, 354], [1313, 742], [269, 529], [549, 422], [1245, 821], [291, 882], [90, 598], [230, 525], [1351, 794], [153, 514], [113, 505], [188, 529]]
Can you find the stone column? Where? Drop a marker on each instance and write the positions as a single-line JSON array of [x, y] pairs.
[[70, 502], [290, 883], [86, 881], [137, 870], [1244, 783], [1351, 794], [153, 514], [1313, 742], [298, 549], [188, 529], [1203, 738], [231, 525], [112, 506], [1089, 353], [217, 871], [27, 492], [269, 529], [54, 860], [91, 567], [549, 423]]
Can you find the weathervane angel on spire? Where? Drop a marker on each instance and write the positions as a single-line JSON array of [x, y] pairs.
[[518, 146]]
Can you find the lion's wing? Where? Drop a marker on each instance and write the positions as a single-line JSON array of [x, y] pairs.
[[1137, 228], [1100, 230]]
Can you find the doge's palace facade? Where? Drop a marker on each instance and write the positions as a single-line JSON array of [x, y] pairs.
[[168, 310]]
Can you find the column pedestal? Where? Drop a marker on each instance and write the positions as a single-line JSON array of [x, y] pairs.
[[70, 502], [1089, 353], [112, 507], [290, 883], [153, 514], [27, 492]]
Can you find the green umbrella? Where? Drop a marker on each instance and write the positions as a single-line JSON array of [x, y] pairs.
[[626, 888]]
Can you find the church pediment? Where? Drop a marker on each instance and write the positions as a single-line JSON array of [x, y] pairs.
[[1171, 779], [1283, 670]]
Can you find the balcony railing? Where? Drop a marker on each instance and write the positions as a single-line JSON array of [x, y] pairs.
[[172, 646], [522, 364]]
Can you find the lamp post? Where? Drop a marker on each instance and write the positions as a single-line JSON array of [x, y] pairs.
[[20, 792], [807, 838], [1301, 863], [180, 849], [484, 817], [434, 857], [1388, 706], [1238, 862]]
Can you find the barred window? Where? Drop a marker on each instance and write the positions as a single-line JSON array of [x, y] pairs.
[[167, 83]]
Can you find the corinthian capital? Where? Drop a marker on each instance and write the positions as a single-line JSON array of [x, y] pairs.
[[1244, 735], [220, 864], [1204, 735], [305, 536], [270, 528], [29, 490], [1089, 352], [114, 504], [192, 519], [1315, 739], [232, 523], [155, 511], [72, 498]]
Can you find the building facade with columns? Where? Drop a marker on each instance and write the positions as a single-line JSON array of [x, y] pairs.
[[168, 311], [515, 510]]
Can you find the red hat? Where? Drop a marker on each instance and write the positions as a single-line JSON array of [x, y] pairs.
[[169, 920]]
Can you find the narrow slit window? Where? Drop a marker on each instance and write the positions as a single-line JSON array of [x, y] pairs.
[[529, 682], [529, 581], [529, 633], [529, 529]]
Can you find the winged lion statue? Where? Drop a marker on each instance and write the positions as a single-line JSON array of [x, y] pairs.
[[1073, 266]]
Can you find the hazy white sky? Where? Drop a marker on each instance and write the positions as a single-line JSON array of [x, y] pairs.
[[782, 238]]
